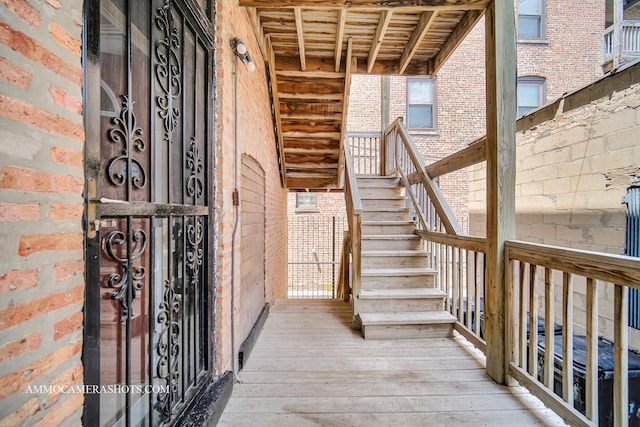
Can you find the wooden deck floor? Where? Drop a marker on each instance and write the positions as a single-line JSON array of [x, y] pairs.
[[309, 368]]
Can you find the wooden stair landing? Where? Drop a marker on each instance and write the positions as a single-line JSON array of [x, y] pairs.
[[309, 368], [398, 298]]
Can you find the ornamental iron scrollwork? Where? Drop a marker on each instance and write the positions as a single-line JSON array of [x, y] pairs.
[[168, 70], [168, 348], [195, 253], [195, 187], [123, 167], [132, 276]]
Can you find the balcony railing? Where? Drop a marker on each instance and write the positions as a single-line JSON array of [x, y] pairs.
[[546, 332], [629, 41]]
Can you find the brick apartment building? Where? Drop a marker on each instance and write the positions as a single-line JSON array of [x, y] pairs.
[[553, 39], [136, 136], [76, 80]]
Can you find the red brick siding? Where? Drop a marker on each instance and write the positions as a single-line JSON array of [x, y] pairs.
[[256, 139], [41, 188], [569, 58]]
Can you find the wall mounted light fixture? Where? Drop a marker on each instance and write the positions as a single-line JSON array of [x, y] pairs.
[[240, 50]]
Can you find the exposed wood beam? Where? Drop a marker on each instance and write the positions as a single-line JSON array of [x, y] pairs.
[[385, 18], [311, 151], [254, 18], [339, 37], [468, 21], [314, 174], [310, 74], [310, 117], [345, 105], [369, 4], [276, 107], [426, 20], [500, 53], [326, 135], [311, 96], [300, 31], [314, 182], [383, 68]]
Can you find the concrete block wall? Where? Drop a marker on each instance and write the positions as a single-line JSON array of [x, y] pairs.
[[255, 138], [571, 174], [41, 208]]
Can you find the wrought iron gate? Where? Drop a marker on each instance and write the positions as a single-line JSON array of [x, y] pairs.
[[148, 241], [632, 200], [315, 244]]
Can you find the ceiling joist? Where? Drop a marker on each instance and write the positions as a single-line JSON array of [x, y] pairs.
[[385, 18], [300, 32], [426, 20], [369, 4], [467, 24], [339, 37], [313, 47]]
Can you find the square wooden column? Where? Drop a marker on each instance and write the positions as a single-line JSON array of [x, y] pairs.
[[500, 49]]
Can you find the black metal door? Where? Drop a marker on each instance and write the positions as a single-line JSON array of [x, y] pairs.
[[149, 242]]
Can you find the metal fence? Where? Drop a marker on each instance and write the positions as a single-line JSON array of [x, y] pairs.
[[315, 243]]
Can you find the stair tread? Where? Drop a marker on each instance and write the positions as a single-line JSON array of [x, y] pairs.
[[384, 209], [390, 236], [389, 222], [407, 318], [399, 252], [401, 293], [382, 197], [403, 271]]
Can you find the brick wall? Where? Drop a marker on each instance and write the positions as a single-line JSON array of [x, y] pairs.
[[309, 231], [255, 138], [569, 58], [41, 207]]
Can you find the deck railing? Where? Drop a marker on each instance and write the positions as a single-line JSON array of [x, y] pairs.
[[365, 152], [544, 327], [543, 283], [459, 259], [629, 40], [354, 218]]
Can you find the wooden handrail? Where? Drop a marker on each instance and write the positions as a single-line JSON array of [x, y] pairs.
[[437, 198], [476, 244], [354, 213], [615, 271], [354, 193], [475, 153], [612, 268]]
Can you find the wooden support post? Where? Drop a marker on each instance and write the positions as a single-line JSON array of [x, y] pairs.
[[618, 20], [385, 84], [500, 49]]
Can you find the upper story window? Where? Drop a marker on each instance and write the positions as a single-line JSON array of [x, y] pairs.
[[421, 103], [531, 94], [531, 19]]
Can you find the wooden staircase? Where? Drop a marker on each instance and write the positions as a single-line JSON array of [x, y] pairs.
[[398, 297]]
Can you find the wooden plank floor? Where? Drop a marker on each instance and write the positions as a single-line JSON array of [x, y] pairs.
[[309, 368]]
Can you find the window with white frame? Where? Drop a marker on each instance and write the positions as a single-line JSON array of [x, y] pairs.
[[531, 19], [306, 201], [421, 103], [531, 94]]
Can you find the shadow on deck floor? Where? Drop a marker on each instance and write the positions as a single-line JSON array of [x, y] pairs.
[[309, 368]]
